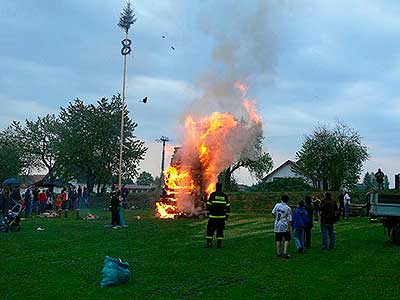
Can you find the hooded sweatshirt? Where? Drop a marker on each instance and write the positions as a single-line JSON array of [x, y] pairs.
[[300, 218]]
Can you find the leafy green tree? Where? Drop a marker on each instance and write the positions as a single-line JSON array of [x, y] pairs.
[[259, 165], [335, 155], [367, 181], [10, 163], [88, 147], [14, 161], [145, 178], [38, 141]]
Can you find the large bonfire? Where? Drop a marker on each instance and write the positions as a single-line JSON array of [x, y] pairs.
[[210, 144]]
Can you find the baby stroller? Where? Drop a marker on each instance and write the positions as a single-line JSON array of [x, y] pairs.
[[11, 221]]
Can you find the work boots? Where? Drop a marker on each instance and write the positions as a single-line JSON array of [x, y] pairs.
[[209, 243], [219, 243]]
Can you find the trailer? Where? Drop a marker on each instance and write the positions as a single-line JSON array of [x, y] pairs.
[[386, 207]]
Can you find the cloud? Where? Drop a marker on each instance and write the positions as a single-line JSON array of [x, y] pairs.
[[166, 100], [19, 110]]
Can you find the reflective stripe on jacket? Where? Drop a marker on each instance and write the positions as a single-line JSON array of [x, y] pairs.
[[218, 205]]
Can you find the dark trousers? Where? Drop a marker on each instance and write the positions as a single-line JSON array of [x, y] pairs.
[[35, 206], [327, 229], [115, 220], [217, 225], [307, 237], [42, 207], [28, 208]]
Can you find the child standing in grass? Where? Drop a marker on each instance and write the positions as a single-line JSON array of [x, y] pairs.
[[300, 221], [282, 226]]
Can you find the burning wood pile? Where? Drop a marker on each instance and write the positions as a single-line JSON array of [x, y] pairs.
[[210, 143]]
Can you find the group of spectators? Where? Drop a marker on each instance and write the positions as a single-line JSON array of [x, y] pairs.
[[39, 201], [301, 221]]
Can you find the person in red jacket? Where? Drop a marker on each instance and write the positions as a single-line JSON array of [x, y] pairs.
[[42, 201]]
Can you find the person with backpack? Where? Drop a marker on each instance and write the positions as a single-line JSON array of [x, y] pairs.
[[300, 221], [310, 210], [328, 210]]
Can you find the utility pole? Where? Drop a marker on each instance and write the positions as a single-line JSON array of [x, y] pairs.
[[163, 140], [126, 19]]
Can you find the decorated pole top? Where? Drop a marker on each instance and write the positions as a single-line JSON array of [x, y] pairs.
[[127, 18]]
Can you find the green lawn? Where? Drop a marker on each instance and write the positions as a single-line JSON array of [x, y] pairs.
[[169, 262]]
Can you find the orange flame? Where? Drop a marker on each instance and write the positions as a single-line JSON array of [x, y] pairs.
[[206, 155]]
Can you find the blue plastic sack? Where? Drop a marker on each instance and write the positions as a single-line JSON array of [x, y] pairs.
[[115, 272]]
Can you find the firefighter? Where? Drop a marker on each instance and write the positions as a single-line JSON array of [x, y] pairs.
[[218, 207]]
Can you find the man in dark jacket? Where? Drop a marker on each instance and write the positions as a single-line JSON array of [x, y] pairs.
[[218, 207], [300, 221], [328, 210], [114, 206], [310, 210]]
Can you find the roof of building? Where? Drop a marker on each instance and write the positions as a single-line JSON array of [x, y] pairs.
[[286, 163]]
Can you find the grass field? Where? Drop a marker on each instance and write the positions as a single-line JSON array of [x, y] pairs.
[[169, 262]]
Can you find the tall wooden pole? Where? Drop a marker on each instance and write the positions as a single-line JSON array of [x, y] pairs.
[[121, 145]]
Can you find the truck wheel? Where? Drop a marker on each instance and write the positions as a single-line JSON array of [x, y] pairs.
[[394, 234]]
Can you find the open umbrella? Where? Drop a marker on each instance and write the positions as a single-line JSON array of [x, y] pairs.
[[11, 181]]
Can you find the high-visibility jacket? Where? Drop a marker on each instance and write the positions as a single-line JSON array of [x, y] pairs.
[[218, 205]]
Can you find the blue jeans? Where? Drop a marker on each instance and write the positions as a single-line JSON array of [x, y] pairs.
[[346, 211], [328, 229], [299, 238]]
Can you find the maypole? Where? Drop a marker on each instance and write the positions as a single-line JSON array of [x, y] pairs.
[[126, 19]]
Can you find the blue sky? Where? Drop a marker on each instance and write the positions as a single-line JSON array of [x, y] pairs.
[[307, 62]]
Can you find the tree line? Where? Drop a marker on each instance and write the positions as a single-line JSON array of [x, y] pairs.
[[81, 142]]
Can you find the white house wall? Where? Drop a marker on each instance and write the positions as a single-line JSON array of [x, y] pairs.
[[285, 172]]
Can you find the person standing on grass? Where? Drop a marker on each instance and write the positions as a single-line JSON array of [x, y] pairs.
[[28, 202], [79, 195], [72, 198], [42, 202], [282, 226], [310, 210], [114, 207], [347, 203], [35, 202], [316, 202], [341, 204], [300, 221], [328, 210], [218, 208], [85, 197], [64, 198]]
